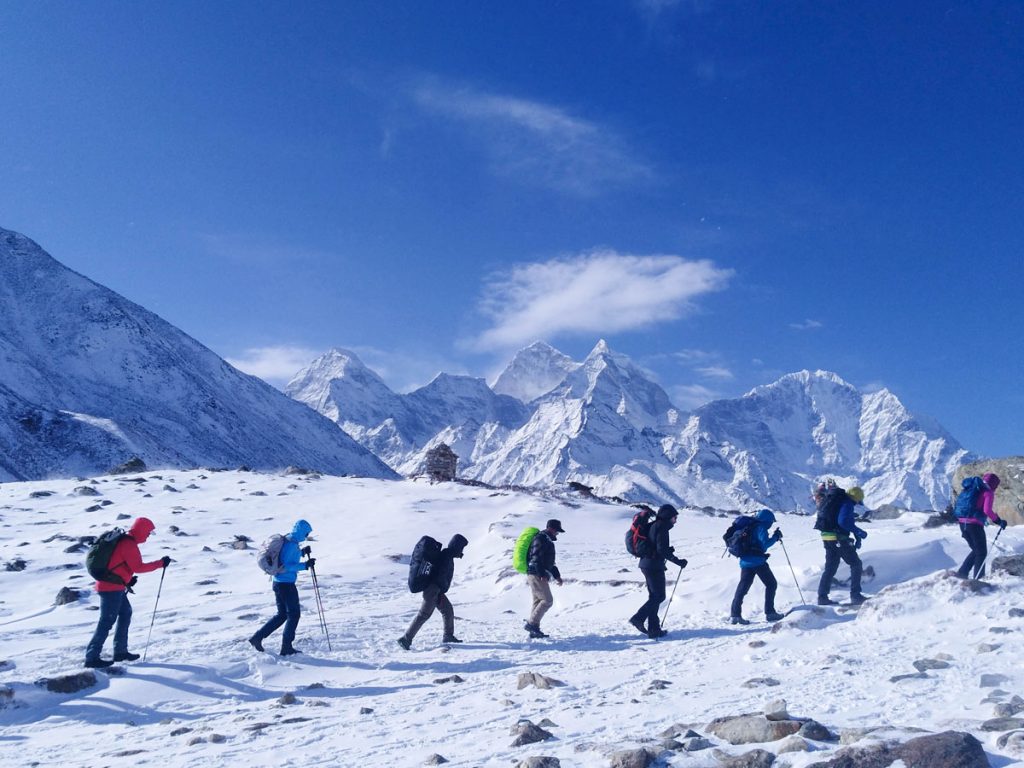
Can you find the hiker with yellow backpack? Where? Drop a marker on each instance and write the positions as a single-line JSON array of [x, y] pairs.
[[534, 555], [840, 536]]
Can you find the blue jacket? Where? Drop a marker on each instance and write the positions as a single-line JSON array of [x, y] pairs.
[[291, 556], [765, 520], [847, 520]]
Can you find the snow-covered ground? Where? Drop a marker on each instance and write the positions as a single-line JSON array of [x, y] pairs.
[[204, 697]]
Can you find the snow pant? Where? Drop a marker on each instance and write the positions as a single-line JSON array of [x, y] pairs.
[[764, 573], [288, 613], [540, 588], [845, 550], [433, 598], [114, 607], [648, 613], [978, 542]]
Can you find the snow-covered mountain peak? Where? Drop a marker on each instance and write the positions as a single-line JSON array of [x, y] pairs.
[[534, 371]]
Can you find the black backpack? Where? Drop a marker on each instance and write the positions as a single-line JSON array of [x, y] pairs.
[[638, 540], [422, 563], [829, 500], [97, 559], [739, 538]]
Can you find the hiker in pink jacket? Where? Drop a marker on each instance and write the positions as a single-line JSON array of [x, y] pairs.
[[973, 506]]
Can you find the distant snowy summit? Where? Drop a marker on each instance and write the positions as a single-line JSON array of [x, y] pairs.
[[605, 423], [88, 380]]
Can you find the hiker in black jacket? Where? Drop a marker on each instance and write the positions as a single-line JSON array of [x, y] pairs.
[[434, 594], [652, 563], [540, 569]]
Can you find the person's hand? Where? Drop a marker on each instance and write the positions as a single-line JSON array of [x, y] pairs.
[[778, 534], [311, 562], [166, 560], [1001, 524], [558, 582], [857, 545], [862, 535], [307, 551], [682, 562]]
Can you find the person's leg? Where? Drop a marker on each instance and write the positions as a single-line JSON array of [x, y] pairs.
[[656, 585], [124, 620], [979, 546], [275, 621], [542, 599], [444, 605], [831, 566], [771, 586], [848, 551], [746, 579], [430, 595], [293, 612], [110, 607]]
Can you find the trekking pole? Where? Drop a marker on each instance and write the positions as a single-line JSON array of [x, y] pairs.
[[153, 620], [669, 605], [802, 600], [320, 607], [980, 569]]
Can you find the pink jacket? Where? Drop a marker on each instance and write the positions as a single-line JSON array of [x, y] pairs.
[[984, 503]]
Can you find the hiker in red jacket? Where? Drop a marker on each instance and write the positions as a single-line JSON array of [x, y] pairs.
[[125, 562]]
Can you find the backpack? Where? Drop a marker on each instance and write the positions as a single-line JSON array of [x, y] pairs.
[[521, 551], [638, 540], [422, 562], [97, 559], [829, 500], [739, 538], [269, 556], [967, 499]]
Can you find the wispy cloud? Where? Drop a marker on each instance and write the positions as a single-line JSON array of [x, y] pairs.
[[275, 365], [690, 396], [600, 292], [537, 143], [716, 372], [807, 325], [254, 250]]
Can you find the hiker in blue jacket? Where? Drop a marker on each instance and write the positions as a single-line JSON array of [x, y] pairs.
[[755, 563], [285, 592]]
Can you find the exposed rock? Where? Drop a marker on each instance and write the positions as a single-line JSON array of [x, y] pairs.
[[874, 756], [1016, 613], [287, 699], [67, 595], [991, 680], [40, 494], [924, 664], [6, 697], [68, 683], [815, 731], [1010, 708], [449, 679], [752, 729], [696, 744], [547, 723], [17, 564], [528, 733], [1002, 724], [537, 680], [435, 759], [1012, 741], [988, 647], [949, 749], [761, 682], [756, 758], [181, 731], [631, 758], [792, 744], [196, 740], [776, 710], [366, 710], [134, 464], [910, 676], [538, 761], [1011, 564], [85, 490], [217, 738]]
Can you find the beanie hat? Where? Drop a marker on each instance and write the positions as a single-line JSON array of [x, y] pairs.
[[991, 479], [667, 512], [857, 494]]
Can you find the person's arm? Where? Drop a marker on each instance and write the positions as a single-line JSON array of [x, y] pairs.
[[133, 558], [763, 538], [291, 557], [847, 521], [987, 499]]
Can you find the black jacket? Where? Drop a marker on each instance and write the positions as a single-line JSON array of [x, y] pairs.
[[663, 549], [540, 560], [444, 568]]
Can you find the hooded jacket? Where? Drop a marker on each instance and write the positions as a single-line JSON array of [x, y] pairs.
[[663, 550], [540, 559], [985, 501], [126, 560], [764, 520], [291, 555], [445, 570]]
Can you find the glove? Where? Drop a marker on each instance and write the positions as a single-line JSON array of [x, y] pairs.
[[862, 535], [311, 562], [857, 545], [1001, 524], [778, 534], [307, 551], [682, 563], [166, 560]]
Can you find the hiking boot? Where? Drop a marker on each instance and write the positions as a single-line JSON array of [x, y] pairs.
[[450, 639], [656, 633], [637, 622], [126, 656], [856, 599], [287, 650], [738, 620], [533, 629], [404, 642], [774, 616], [256, 642], [98, 663], [826, 601]]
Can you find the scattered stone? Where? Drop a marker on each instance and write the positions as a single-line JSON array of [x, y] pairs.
[[1000, 630], [40, 494], [546, 723], [435, 759], [992, 680], [196, 740], [756, 758], [6, 665], [365, 710], [67, 595], [128, 752], [134, 464], [988, 647], [68, 683], [757, 644], [949, 749], [752, 728], [217, 738], [528, 733], [658, 685], [792, 744], [286, 699], [1003, 724], [815, 731], [537, 680], [257, 493], [17, 564], [539, 761], [1007, 709], [1011, 564], [761, 682], [85, 490], [631, 758], [316, 687], [181, 731], [1016, 613], [449, 679], [911, 676], [1014, 741], [776, 710], [96, 508], [257, 726], [120, 516], [6, 697], [924, 664], [696, 744], [248, 617]]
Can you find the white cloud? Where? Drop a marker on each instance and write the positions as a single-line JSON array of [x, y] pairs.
[[807, 325], [275, 365], [538, 143], [690, 396], [716, 372], [597, 293]]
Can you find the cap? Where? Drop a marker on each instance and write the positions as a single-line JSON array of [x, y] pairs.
[[856, 494], [555, 525]]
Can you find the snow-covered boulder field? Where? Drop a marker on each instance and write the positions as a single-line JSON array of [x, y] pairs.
[[929, 654]]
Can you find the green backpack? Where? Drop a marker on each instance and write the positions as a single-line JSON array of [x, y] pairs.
[[522, 548]]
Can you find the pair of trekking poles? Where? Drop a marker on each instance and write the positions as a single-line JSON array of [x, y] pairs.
[[788, 561], [316, 591]]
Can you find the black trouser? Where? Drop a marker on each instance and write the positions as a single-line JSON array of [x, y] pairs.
[[845, 550], [288, 613], [978, 542], [763, 572], [648, 613]]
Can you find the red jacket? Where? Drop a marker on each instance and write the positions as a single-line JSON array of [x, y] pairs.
[[126, 560]]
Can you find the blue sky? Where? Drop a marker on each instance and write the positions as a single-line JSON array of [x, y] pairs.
[[725, 191]]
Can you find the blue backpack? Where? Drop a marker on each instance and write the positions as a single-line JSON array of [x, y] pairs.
[[740, 538], [967, 500]]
